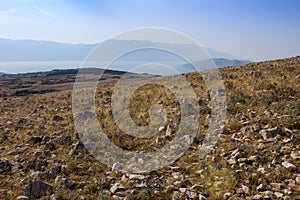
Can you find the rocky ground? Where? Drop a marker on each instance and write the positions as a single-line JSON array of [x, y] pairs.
[[257, 155]]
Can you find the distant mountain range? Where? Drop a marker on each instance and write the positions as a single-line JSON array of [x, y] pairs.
[[31, 56], [215, 62], [31, 50]]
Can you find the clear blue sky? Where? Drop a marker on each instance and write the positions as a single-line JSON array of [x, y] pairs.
[[252, 29]]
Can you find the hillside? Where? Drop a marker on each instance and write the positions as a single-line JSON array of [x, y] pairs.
[[52, 81], [257, 155]]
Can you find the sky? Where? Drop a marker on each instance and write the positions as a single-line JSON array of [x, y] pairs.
[[254, 29]]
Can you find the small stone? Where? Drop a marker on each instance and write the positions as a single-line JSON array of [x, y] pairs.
[[141, 161], [79, 146], [191, 195], [288, 165], [201, 197], [245, 189], [261, 187], [227, 195], [253, 158], [252, 114], [90, 169], [261, 146], [141, 185], [69, 183], [53, 197], [57, 118], [176, 183], [278, 194], [175, 196], [231, 161], [287, 192], [5, 165], [183, 190], [162, 128], [136, 176], [241, 160], [117, 166], [65, 140], [270, 133], [295, 155], [257, 197], [267, 193], [298, 179], [55, 170], [116, 187], [22, 198], [79, 156], [57, 180], [239, 191], [170, 130], [276, 186], [261, 170], [35, 139]]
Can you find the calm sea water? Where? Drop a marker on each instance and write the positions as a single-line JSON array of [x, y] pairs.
[[137, 67]]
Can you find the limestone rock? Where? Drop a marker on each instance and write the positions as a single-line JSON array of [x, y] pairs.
[[114, 188], [288, 165], [22, 198]]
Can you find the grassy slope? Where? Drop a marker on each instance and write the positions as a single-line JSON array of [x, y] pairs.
[[257, 87]]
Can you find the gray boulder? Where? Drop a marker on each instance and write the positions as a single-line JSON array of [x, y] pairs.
[[38, 189]]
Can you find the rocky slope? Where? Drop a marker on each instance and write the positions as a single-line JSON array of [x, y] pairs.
[[256, 157]]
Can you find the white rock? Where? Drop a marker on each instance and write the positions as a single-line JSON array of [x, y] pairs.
[[124, 179], [176, 183], [170, 130], [175, 196], [231, 161], [260, 187], [241, 160], [227, 195], [191, 195], [295, 155], [116, 187], [161, 128], [245, 189], [136, 176], [141, 161], [116, 166], [201, 197], [53, 197], [182, 190], [288, 165], [261, 170], [257, 196], [22, 198], [141, 185], [276, 186], [278, 194]]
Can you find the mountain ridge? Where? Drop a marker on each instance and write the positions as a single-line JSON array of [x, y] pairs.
[[18, 50]]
